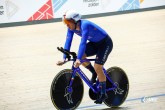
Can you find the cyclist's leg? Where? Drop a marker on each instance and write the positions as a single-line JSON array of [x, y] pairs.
[[90, 51], [89, 66], [99, 70], [85, 64], [102, 83], [104, 50]]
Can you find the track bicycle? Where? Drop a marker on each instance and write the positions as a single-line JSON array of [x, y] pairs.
[[67, 87]]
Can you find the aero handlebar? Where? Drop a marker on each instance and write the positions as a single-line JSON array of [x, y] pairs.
[[67, 53]]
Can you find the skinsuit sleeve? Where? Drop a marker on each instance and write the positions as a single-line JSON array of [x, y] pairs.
[[68, 41], [84, 38]]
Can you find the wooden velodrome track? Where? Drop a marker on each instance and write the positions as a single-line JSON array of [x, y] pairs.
[[28, 57]]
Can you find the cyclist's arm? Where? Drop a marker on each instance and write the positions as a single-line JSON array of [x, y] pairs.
[[68, 41], [82, 46]]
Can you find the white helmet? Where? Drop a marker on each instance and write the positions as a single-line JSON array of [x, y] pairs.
[[71, 15]]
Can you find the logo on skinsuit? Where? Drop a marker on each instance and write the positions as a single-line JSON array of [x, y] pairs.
[[45, 12]]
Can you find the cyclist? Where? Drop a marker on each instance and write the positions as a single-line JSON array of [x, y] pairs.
[[100, 44]]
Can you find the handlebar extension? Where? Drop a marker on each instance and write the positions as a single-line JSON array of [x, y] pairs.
[[67, 53]]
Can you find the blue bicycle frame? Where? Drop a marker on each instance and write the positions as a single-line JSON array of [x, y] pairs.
[[86, 79]]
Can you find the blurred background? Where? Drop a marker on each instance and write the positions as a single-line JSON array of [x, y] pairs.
[[31, 31]]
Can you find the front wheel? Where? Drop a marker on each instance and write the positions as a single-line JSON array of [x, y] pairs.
[[117, 96], [63, 96]]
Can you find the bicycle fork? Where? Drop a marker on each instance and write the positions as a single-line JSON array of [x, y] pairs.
[[69, 90]]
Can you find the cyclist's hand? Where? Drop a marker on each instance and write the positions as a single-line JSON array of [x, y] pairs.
[[77, 63], [59, 63]]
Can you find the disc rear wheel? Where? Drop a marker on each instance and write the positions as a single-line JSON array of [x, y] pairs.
[[117, 96]]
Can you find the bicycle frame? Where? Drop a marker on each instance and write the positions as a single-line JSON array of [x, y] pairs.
[[86, 79]]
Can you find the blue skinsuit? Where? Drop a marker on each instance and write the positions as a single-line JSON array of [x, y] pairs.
[[88, 31]]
